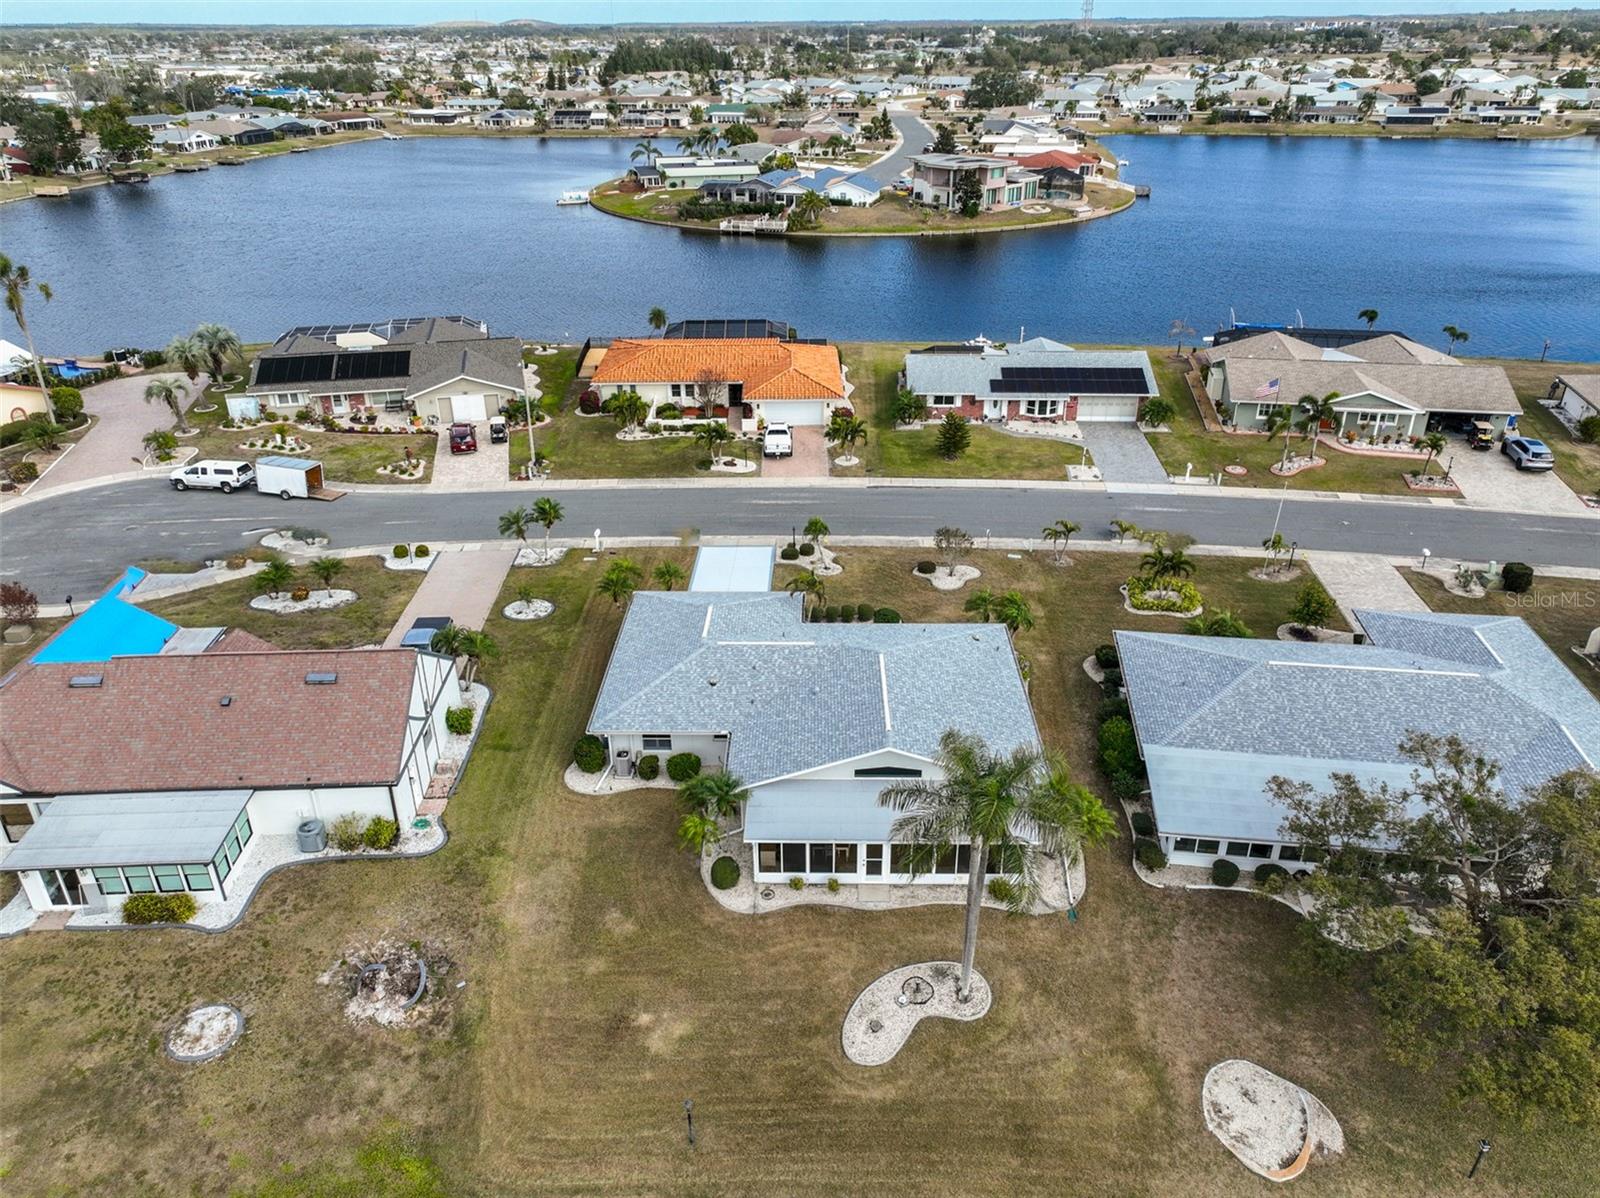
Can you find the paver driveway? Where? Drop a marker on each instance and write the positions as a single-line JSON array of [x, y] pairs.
[[810, 458], [115, 444], [461, 584], [490, 466], [1490, 479], [1122, 453]]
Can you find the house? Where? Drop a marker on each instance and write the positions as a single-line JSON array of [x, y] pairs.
[[441, 368], [1246, 711], [1035, 380], [936, 181], [201, 770], [1061, 174], [1387, 386], [1575, 396], [1014, 138], [352, 122], [1162, 114], [287, 124], [579, 118], [509, 118], [688, 170], [774, 380], [18, 401], [860, 189], [437, 116], [1426, 116], [1501, 114], [727, 114], [181, 139], [715, 674]]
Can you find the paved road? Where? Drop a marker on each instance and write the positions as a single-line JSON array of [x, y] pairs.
[[78, 541], [914, 134]]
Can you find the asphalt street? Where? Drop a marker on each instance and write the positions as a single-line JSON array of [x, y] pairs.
[[77, 542], [914, 134]]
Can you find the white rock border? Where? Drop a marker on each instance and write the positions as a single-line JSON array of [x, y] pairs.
[[206, 1032], [945, 580], [536, 555], [408, 563], [536, 610], [281, 605], [879, 1004], [1271, 1125], [733, 466]]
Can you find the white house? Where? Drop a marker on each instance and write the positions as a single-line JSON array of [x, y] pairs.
[[1576, 395], [1038, 380], [180, 139]]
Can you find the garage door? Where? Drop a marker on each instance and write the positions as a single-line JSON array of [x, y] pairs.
[[793, 411], [1099, 408], [468, 407]]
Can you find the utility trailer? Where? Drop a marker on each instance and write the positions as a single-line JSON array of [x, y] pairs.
[[292, 478]]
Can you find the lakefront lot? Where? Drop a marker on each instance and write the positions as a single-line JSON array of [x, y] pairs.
[[603, 988]]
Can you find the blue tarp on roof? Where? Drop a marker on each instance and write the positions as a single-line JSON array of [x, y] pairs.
[[109, 627]]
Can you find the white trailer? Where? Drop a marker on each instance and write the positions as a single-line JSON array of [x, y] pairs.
[[292, 478]]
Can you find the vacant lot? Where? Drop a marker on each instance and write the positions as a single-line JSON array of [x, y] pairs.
[[604, 988]]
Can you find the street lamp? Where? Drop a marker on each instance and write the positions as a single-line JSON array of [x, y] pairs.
[[688, 1114], [1483, 1151], [70, 612]]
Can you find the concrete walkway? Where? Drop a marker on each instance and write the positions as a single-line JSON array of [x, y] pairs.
[[115, 444], [1123, 454], [462, 584], [1364, 580]]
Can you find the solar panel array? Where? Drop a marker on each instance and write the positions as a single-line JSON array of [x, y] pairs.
[[1069, 380], [323, 368]]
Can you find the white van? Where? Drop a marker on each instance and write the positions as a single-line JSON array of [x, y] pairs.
[[218, 475]]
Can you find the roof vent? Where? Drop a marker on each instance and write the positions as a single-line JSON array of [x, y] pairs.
[[226, 701], [321, 679], [711, 682], [83, 681]]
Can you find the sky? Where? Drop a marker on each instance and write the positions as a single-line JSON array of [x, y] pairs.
[[396, 12]]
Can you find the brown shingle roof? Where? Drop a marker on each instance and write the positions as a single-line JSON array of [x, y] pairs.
[[768, 369], [158, 723]]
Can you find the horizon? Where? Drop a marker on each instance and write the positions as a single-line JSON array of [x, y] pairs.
[[397, 14]]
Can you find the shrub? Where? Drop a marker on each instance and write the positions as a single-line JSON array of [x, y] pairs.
[[152, 357], [847, 614], [1112, 707], [589, 754], [886, 615], [589, 403], [864, 613], [346, 833], [420, 551], [1224, 872], [649, 767], [300, 594], [1105, 656], [1313, 606], [1112, 682], [724, 873], [1268, 870], [23, 472], [1002, 890], [1119, 749], [381, 832], [1588, 429], [1516, 577], [1143, 825], [1147, 852], [458, 720], [927, 567], [68, 402], [18, 430], [237, 562], [832, 613], [1126, 787], [797, 883], [807, 548], [816, 615], [402, 551], [668, 411], [833, 885], [683, 766], [159, 908], [1184, 595], [788, 553]]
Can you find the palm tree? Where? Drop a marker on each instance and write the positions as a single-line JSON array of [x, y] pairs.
[[808, 209], [188, 355], [1021, 805], [475, 647], [1455, 336], [712, 436], [221, 345], [170, 392], [1275, 546], [1434, 443], [658, 319], [697, 831], [1316, 413], [1162, 562], [1219, 623], [668, 575], [515, 523], [628, 408], [548, 512], [717, 794], [982, 602], [449, 640], [1059, 533], [621, 579], [816, 530], [847, 430], [325, 570], [274, 576], [1012, 610], [1280, 419], [17, 282], [1370, 315], [809, 582], [641, 149]]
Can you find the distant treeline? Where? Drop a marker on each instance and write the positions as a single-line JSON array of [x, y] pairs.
[[695, 54]]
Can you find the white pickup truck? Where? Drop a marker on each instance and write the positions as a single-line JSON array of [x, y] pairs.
[[777, 442]]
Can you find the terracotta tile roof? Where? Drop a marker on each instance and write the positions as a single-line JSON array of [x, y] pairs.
[[768, 369], [158, 723], [1057, 158]]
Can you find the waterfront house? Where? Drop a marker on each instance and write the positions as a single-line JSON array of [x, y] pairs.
[[579, 118], [1038, 380], [724, 675], [509, 118], [441, 368], [727, 114], [688, 170], [1061, 174], [1389, 388], [1217, 717], [1014, 138], [935, 181], [352, 122], [1575, 396], [1416, 116], [183, 139], [746, 380], [437, 116]]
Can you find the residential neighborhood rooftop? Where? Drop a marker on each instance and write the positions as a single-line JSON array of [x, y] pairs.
[[769, 369]]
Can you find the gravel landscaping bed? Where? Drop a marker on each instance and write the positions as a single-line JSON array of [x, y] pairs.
[[884, 1015], [948, 580], [538, 609], [1273, 1126], [283, 605], [530, 555], [205, 1032]]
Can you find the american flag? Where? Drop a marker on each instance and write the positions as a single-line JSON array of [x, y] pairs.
[[1270, 388]]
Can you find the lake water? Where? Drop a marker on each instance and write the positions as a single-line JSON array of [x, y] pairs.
[[1499, 239]]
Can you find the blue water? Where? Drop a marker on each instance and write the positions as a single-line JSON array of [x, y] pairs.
[[1499, 239]]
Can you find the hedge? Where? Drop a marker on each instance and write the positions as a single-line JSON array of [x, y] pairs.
[[381, 832], [724, 873], [402, 551], [886, 615], [788, 553], [847, 614], [864, 613], [1268, 870], [589, 755], [18, 430], [458, 720], [1143, 825], [1224, 872], [683, 766], [1126, 787], [1105, 656], [1119, 750], [807, 549], [1148, 853], [420, 551], [649, 767], [1516, 577], [1112, 707], [159, 908]]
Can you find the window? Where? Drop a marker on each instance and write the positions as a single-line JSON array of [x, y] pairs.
[[1261, 850], [221, 865], [196, 877], [1207, 846], [1041, 407], [1238, 848], [169, 878], [900, 856], [945, 861], [1184, 844], [657, 741], [16, 818], [822, 858], [941, 401], [1288, 852], [138, 877], [888, 771], [844, 858], [110, 881], [874, 861], [1005, 859], [794, 858], [241, 827], [676, 391], [769, 858]]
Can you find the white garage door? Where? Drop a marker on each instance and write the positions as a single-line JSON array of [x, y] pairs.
[[468, 407], [1100, 408], [793, 411]]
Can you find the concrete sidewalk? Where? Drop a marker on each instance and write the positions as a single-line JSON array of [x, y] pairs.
[[1364, 580], [462, 584]]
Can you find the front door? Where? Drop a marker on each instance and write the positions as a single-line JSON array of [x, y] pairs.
[[61, 887], [994, 409]]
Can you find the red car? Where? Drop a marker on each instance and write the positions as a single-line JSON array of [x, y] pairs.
[[463, 439]]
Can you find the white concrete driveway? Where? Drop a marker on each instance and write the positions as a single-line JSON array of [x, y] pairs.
[[1489, 478], [115, 444]]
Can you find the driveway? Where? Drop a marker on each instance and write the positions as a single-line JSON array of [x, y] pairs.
[[115, 444], [810, 458], [1489, 478], [490, 466], [461, 584], [914, 134], [1363, 580], [1122, 453]]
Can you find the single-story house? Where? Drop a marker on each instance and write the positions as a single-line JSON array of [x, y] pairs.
[[689, 170], [438, 116], [1386, 387], [860, 189], [715, 674], [509, 118], [1217, 717], [1426, 116], [727, 114], [181, 139], [18, 401], [1002, 183], [791, 381], [443, 368], [287, 124], [1576, 395], [201, 767], [1038, 380], [579, 118], [351, 122]]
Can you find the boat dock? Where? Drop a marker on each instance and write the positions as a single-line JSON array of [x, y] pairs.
[[754, 224]]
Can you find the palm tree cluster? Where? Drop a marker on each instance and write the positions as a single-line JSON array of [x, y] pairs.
[[845, 429], [707, 800], [1010, 609], [470, 643], [620, 580], [517, 521], [1058, 534]]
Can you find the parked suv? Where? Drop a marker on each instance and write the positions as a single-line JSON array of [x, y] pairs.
[[1528, 453], [463, 439], [777, 442], [217, 475]]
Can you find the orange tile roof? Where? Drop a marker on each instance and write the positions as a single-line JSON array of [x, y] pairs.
[[768, 369]]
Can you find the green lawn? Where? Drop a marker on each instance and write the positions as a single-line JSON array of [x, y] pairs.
[[603, 988], [557, 373]]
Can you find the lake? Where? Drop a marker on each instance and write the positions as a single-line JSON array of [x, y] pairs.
[[1499, 239]]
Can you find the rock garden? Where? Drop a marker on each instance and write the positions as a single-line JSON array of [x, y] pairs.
[[1274, 1127], [205, 1033], [884, 1015]]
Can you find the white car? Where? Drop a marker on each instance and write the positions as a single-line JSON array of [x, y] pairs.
[[777, 442], [218, 475]]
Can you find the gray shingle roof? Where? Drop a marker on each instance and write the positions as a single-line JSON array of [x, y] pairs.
[[441, 349], [971, 374], [794, 696], [1487, 679]]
